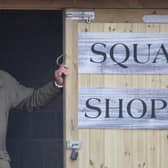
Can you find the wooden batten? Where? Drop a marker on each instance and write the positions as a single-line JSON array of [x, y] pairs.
[[58, 4]]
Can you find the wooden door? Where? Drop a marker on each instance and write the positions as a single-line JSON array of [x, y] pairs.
[[110, 148]]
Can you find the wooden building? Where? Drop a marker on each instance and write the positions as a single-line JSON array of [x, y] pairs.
[[106, 148]]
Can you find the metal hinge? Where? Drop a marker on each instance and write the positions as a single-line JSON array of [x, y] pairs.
[[76, 15]]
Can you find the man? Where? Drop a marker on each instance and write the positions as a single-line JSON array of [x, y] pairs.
[[16, 96]]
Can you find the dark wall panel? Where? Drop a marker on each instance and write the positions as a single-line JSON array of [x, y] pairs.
[[29, 45]]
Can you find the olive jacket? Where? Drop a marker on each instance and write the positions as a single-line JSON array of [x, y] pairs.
[[13, 95]]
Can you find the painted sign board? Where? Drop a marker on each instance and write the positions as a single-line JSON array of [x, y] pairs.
[[109, 52], [123, 108]]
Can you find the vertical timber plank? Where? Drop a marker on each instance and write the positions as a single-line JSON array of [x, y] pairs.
[[164, 133], [71, 85]]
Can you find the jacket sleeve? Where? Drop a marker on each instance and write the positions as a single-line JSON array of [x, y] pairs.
[[29, 99], [36, 98]]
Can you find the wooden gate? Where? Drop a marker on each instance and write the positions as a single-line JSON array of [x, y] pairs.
[[110, 148]]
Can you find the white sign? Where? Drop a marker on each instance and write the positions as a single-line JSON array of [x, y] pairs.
[[123, 108], [108, 52]]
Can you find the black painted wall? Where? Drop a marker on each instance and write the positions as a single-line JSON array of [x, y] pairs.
[[30, 41]]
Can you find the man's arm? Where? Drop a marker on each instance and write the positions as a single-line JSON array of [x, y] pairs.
[[36, 98], [30, 99]]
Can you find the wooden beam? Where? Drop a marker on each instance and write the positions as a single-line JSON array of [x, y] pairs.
[[36, 4], [122, 4], [125, 15], [95, 4]]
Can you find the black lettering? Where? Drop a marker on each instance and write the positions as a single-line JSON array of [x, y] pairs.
[[97, 52], [161, 51], [127, 54], [135, 46], [108, 108], [95, 108], [154, 107], [129, 108]]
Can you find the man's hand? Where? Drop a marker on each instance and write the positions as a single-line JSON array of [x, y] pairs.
[[60, 73]]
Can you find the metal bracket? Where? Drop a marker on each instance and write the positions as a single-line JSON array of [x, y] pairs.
[[76, 15], [73, 144]]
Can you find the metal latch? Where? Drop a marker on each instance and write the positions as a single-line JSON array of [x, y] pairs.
[[76, 15], [73, 144]]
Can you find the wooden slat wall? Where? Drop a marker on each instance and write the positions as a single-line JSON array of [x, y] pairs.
[[107, 148], [60, 4], [123, 148]]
